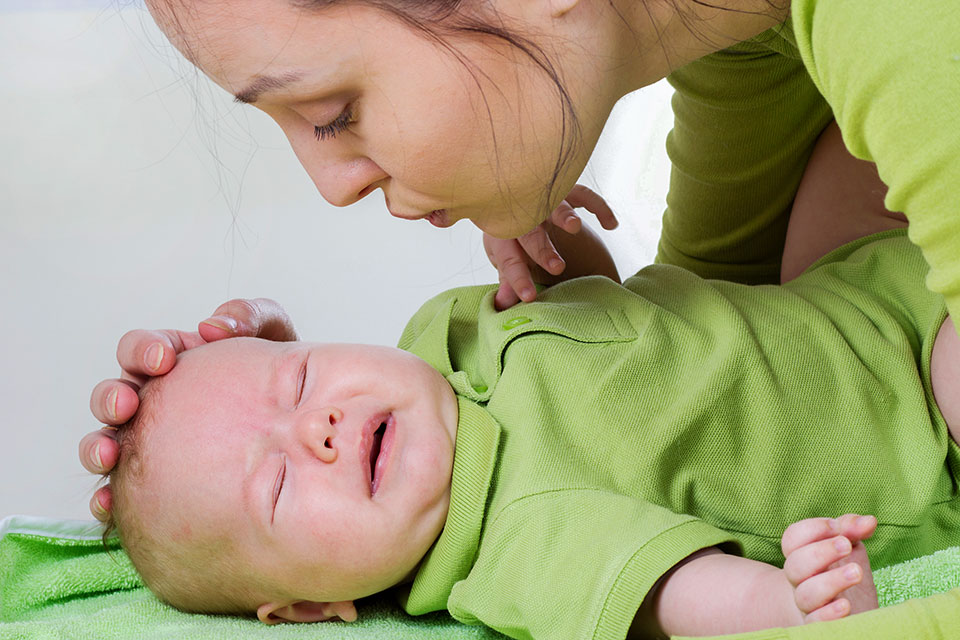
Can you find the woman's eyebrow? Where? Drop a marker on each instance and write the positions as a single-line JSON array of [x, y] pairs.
[[262, 84]]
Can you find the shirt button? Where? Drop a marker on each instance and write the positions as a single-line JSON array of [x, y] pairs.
[[515, 322]]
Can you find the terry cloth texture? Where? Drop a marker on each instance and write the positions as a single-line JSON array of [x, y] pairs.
[[607, 432], [58, 582], [747, 118]]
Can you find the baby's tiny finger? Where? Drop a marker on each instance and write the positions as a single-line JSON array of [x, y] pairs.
[[834, 611], [822, 588], [803, 532], [856, 527], [538, 245], [566, 218], [815, 557], [505, 297], [581, 196]]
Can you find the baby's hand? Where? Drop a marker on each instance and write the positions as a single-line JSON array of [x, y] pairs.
[[827, 565], [545, 256]]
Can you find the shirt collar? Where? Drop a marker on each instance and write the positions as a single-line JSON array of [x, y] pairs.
[[453, 554]]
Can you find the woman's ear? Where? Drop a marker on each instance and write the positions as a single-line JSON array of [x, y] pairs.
[[306, 611]]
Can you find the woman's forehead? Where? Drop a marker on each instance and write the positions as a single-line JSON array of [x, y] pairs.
[[239, 39]]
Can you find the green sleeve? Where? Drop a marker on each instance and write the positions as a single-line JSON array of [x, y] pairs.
[[891, 72], [745, 122], [596, 552], [933, 618]]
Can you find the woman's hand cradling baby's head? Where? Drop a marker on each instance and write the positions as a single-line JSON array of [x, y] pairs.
[[144, 353]]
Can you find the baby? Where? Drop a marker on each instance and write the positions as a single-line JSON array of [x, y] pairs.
[[602, 462]]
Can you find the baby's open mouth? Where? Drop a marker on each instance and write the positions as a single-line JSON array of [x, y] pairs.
[[375, 453]]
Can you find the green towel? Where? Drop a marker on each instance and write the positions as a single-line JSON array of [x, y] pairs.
[[57, 581]]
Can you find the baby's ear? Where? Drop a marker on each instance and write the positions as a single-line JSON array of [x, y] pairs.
[[306, 611]]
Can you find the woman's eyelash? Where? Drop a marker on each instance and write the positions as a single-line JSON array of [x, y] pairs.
[[340, 124]]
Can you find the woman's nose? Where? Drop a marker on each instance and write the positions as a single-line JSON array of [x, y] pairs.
[[317, 431], [343, 183]]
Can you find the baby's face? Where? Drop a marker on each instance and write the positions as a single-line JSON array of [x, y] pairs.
[[326, 465]]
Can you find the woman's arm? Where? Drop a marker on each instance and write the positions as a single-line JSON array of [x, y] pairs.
[[840, 199], [890, 70]]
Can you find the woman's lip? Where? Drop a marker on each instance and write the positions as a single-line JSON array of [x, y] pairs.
[[439, 218], [383, 460]]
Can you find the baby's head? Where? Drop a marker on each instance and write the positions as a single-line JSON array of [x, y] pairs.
[[286, 479]]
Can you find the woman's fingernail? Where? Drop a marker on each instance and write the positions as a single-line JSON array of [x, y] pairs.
[[112, 402], [864, 521], [98, 511], [96, 459], [841, 544], [154, 356], [225, 323], [556, 264], [527, 294]]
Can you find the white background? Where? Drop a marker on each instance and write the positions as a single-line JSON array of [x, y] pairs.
[[133, 193]]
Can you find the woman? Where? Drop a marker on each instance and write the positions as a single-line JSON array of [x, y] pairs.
[[489, 111]]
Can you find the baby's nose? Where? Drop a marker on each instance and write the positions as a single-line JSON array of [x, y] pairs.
[[317, 431]]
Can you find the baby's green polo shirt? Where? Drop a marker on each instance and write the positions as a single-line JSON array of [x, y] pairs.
[[606, 432]]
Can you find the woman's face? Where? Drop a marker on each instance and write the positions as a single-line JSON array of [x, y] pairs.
[[466, 129]]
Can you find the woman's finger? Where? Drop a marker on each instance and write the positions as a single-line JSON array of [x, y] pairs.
[[99, 451], [101, 502], [257, 317], [144, 352], [114, 401]]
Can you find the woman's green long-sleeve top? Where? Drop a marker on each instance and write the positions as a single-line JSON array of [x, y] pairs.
[[747, 117]]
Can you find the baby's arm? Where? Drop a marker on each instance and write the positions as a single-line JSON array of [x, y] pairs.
[[712, 593]]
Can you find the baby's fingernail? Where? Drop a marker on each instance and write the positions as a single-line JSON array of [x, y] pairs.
[[224, 323], [851, 572], [841, 544], [112, 402], [556, 264], [154, 356], [864, 521], [95, 456]]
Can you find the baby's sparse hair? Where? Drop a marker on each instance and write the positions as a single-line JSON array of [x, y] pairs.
[[195, 576]]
